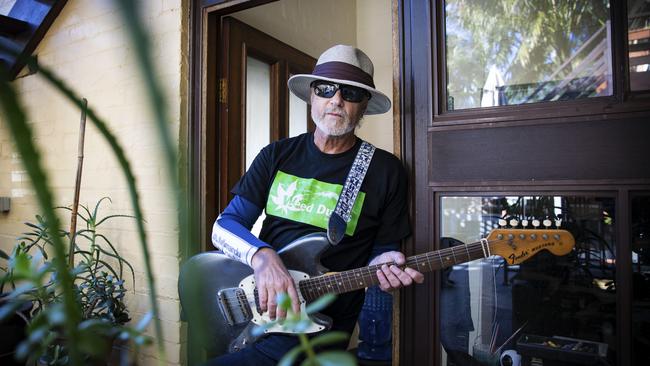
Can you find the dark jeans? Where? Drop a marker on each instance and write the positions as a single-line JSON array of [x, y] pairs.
[[267, 351], [270, 349]]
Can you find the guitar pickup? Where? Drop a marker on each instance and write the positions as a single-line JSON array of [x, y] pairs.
[[234, 306]]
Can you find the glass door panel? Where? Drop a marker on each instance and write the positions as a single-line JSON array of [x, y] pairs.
[[258, 107], [548, 308], [258, 115]]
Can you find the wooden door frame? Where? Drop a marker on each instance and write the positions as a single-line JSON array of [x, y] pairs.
[[200, 174]]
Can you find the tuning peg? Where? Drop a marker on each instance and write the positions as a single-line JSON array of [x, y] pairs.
[[558, 223], [536, 223], [547, 223], [503, 222], [514, 222], [524, 223]]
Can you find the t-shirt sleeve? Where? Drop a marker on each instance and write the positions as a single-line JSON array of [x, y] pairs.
[[255, 183], [395, 216]]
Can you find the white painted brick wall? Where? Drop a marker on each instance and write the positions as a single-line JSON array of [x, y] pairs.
[[87, 47]]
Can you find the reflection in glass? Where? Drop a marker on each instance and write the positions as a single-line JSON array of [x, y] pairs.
[[258, 115], [638, 28], [297, 116], [506, 52], [258, 107], [488, 306], [640, 236]]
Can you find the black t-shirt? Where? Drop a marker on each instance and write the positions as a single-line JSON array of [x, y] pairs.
[[298, 186]]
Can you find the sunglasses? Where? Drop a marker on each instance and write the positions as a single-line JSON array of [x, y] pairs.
[[349, 93]]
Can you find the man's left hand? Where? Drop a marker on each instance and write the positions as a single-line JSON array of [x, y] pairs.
[[390, 276]]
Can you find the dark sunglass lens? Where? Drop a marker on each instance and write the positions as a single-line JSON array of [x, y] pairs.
[[325, 90], [352, 93]]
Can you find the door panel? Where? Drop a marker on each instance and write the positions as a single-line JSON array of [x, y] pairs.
[[254, 104]]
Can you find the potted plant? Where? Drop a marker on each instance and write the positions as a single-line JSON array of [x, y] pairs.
[[99, 273]]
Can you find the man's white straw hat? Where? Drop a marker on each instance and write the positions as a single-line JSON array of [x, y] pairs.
[[343, 65]]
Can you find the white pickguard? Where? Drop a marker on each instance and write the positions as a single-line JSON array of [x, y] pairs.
[[248, 285]]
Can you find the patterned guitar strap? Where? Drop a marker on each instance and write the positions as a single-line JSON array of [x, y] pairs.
[[341, 216]]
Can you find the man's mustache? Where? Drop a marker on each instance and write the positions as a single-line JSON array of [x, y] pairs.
[[336, 111]]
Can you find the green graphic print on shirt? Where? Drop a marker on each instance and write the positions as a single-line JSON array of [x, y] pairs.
[[308, 201]]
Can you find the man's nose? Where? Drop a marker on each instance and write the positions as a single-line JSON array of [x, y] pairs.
[[337, 99]]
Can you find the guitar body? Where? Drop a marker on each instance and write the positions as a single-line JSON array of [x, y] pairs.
[[217, 294]]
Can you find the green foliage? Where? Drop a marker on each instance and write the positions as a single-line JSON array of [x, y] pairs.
[[21, 132], [309, 346], [98, 287], [526, 39]]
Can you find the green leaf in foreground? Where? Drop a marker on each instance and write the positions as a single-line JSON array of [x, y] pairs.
[[320, 304]]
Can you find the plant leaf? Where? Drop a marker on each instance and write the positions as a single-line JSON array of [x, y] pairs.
[[320, 304], [329, 338], [335, 358], [146, 319], [290, 357]]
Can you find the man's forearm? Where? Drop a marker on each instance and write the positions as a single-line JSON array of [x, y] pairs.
[[231, 231]]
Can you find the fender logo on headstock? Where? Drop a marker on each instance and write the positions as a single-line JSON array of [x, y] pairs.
[[524, 253], [513, 257]]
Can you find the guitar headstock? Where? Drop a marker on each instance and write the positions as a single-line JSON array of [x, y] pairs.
[[517, 245]]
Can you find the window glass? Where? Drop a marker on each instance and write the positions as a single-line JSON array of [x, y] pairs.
[[258, 107], [258, 115], [297, 116], [640, 236], [507, 52], [638, 17], [558, 309]]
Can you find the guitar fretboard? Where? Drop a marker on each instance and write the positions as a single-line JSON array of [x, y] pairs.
[[355, 279]]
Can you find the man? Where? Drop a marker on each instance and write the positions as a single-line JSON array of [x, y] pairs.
[[295, 180]]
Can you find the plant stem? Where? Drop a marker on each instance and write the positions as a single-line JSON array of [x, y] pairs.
[[77, 184], [304, 342]]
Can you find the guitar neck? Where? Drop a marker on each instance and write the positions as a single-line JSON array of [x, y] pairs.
[[355, 279]]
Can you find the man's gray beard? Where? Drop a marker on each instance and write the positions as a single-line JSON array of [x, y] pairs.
[[336, 130]]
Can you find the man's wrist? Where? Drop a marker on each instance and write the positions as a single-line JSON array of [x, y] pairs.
[[260, 256]]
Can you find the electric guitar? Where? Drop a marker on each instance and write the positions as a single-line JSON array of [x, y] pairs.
[[219, 297]]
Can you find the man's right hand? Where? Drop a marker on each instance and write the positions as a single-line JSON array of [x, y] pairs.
[[272, 278]]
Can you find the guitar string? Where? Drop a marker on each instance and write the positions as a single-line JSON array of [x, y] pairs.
[[311, 285], [336, 280], [371, 269], [476, 249], [307, 287]]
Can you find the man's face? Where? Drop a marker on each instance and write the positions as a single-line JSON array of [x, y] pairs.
[[335, 116]]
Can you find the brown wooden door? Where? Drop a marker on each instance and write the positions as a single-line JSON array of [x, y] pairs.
[[243, 45]]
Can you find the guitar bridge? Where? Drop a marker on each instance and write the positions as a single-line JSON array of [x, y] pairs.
[[234, 306]]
